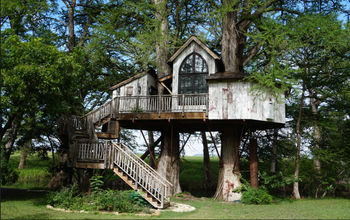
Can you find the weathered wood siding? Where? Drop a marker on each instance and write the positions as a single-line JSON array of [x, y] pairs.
[[144, 83], [236, 100], [137, 87]]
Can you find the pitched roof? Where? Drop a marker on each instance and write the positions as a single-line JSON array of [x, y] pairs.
[[137, 76], [188, 42]]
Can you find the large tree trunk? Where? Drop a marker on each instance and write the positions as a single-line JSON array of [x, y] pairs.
[[162, 48], [274, 151], [233, 41], [296, 193], [71, 32], [64, 176], [317, 134], [229, 174], [208, 175], [253, 156], [169, 161], [23, 160]]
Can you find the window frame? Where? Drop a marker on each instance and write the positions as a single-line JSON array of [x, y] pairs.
[[193, 74]]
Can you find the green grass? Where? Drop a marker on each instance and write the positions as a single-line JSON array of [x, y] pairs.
[[31, 205], [24, 204], [36, 173]]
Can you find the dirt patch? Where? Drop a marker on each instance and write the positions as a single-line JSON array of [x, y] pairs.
[[178, 207]]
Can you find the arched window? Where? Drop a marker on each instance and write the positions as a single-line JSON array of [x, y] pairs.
[[192, 75]]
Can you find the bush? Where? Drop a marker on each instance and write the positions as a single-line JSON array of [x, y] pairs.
[[256, 196], [109, 200]]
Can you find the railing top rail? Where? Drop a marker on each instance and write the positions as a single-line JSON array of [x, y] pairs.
[[97, 109], [147, 167]]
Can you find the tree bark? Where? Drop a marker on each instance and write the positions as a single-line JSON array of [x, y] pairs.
[[23, 160], [229, 174], [52, 154], [317, 134], [11, 138], [162, 48], [151, 145], [233, 41], [253, 156], [274, 151], [169, 161], [208, 175], [71, 32], [296, 193]]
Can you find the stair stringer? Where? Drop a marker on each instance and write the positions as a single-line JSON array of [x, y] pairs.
[[139, 190]]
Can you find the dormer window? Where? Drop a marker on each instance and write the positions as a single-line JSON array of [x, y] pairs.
[[192, 75]]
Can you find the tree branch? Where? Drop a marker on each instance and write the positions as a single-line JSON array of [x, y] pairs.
[[85, 32], [252, 53]]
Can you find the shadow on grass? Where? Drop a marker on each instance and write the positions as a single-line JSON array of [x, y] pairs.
[[9, 194]]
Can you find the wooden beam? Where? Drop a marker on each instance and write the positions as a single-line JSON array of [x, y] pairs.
[[156, 116], [166, 87], [149, 149], [165, 78], [107, 135], [89, 165], [144, 155], [183, 146]]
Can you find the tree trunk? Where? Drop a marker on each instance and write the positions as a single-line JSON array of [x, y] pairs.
[[233, 41], [64, 176], [11, 138], [169, 161], [317, 133], [151, 145], [23, 160], [296, 193], [71, 33], [229, 173], [162, 48], [208, 175], [274, 151], [52, 154], [253, 156]]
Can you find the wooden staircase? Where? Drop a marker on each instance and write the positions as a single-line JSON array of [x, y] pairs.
[[128, 166]]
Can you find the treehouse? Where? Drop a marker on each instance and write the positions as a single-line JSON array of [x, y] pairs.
[[198, 96]]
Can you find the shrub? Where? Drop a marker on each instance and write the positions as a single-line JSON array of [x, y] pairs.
[[7, 173], [64, 198], [109, 200], [256, 196]]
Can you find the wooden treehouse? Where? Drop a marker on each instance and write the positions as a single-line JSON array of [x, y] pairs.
[[197, 96]]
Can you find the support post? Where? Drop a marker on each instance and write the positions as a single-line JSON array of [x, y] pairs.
[[253, 157]]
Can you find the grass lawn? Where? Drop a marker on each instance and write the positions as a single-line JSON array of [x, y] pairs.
[[27, 204], [22, 204]]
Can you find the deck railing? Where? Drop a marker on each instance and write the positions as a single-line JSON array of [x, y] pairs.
[[150, 104]]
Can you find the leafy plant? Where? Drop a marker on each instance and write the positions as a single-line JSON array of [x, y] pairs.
[[256, 196], [96, 183]]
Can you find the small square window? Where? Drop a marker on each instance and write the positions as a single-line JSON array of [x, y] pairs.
[[129, 90]]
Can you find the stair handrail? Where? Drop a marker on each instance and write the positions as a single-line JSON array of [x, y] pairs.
[[166, 184], [146, 165], [97, 109]]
